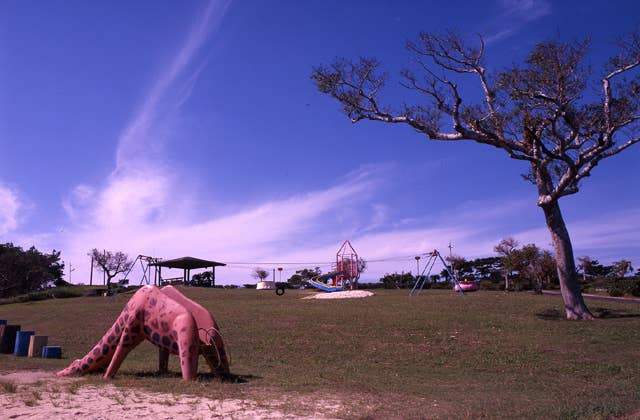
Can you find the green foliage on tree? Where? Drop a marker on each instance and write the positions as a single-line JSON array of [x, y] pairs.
[[27, 271], [621, 268], [204, 279], [505, 251], [592, 267], [398, 281], [301, 276]]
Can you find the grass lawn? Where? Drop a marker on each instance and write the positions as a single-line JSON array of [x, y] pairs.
[[487, 354]]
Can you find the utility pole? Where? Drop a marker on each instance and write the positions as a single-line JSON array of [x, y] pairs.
[[91, 276], [450, 255]]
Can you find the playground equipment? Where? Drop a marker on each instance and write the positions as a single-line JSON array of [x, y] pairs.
[[25, 343], [321, 283], [185, 263], [432, 257], [466, 286], [146, 262], [345, 272], [168, 319]]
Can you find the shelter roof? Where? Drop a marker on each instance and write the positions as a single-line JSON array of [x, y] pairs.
[[188, 263]]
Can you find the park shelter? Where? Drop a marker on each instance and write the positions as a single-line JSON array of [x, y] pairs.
[[187, 264]]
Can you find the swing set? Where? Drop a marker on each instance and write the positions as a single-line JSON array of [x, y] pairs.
[[432, 257]]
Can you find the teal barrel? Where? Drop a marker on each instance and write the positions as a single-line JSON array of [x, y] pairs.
[[8, 338], [52, 352], [22, 343]]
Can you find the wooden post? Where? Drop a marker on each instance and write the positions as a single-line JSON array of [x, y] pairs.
[[36, 343]]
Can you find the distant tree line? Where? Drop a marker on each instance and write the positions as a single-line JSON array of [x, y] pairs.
[[515, 268], [23, 271]]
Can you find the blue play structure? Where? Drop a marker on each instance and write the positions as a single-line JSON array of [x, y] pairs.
[[320, 282], [25, 343], [52, 352], [22, 343]]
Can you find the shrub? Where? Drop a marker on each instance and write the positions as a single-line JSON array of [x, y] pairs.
[[370, 285], [486, 284], [54, 293], [442, 285], [617, 286]]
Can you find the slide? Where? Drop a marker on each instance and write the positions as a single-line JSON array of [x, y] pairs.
[[323, 286], [318, 282]]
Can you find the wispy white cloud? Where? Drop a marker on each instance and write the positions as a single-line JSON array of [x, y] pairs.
[[307, 229], [515, 15], [77, 200], [254, 234], [612, 235], [140, 198], [525, 10], [9, 207], [140, 138]]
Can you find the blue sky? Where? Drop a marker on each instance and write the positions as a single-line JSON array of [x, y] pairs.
[[192, 128]]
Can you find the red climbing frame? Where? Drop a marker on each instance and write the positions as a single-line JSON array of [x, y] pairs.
[[347, 260]]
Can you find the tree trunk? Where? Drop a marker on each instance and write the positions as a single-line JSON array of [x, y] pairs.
[[569, 284]]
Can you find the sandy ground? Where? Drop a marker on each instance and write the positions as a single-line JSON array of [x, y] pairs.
[[347, 294], [30, 394]]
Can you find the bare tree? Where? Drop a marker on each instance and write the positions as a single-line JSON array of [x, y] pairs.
[[110, 263], [536, 112], [260, 274]]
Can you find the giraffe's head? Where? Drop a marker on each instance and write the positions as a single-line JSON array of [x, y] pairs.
[[214, 352]]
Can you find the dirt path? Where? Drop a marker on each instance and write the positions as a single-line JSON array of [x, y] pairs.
[[29, 394]]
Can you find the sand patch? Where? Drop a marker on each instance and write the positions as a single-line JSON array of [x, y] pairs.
[[26, 395], [346, 294]]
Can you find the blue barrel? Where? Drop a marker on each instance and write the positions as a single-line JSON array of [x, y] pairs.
[[22, 343], [52, 352], [3, 322]]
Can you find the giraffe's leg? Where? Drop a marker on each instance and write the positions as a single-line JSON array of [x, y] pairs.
[[163, 360], [129, 339], [187, 346]]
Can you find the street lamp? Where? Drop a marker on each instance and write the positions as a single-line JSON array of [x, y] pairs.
[[70, 270]]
